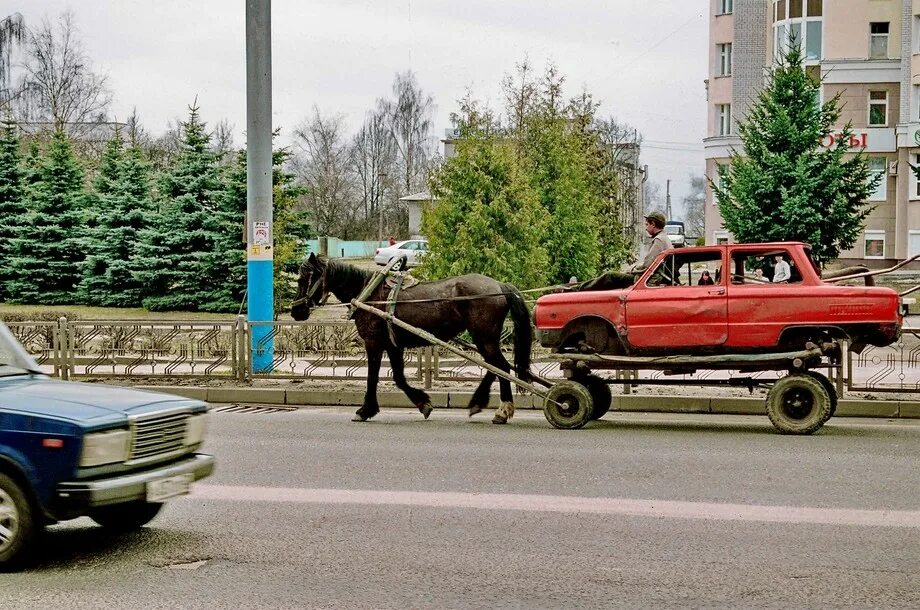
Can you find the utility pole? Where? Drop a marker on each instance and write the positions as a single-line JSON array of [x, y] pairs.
[[260, 237], [667, 199]]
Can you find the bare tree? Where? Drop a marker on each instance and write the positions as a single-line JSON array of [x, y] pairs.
[[59, 84], [321, 160], [373, 153], [11, 34], [409, 121], [222, 142], [695, 207]]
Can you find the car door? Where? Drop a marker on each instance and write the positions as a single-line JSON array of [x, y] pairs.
[[668, 308]]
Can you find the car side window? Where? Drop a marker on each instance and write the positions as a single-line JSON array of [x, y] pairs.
[[410, 245], [691, 268], [767, 267]]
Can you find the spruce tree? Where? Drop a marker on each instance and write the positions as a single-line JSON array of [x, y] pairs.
[[177, 256], [12, 206], [47, 256], [123, 191], [785, 185]]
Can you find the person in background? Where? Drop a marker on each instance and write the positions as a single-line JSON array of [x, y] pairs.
[[658, 243], [705, 279], [781, 271], [392, 241]]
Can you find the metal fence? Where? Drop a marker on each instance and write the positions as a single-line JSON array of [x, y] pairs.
[[333, 350]]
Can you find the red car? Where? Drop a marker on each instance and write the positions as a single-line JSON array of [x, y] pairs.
[[668, 311]]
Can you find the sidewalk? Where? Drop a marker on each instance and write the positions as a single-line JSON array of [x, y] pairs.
[[650, 403]]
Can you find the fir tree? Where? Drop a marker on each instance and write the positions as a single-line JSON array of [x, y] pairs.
[[12, 206], [123, 190], [180, 258], [786, 185], [46, 257]]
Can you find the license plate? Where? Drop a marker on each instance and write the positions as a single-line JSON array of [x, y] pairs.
[[169, 487]]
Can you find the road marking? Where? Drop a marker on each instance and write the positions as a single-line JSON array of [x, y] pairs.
[[662, 509]]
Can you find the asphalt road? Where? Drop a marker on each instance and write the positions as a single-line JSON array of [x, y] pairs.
[[309, 510]]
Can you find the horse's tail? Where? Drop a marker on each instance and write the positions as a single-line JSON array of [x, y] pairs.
[[523, 332]]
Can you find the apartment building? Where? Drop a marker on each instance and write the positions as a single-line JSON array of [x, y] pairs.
[[866, 50]]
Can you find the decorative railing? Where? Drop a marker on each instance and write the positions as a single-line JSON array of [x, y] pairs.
[[326, 350]]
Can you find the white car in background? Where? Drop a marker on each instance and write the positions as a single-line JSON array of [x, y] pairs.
[[414, 249]]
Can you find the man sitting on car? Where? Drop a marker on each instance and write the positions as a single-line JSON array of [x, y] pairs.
[[658, 243]]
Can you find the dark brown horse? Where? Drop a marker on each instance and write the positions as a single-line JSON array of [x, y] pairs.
[[445, 308]]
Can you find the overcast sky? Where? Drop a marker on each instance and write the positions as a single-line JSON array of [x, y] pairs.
[[644, 61]]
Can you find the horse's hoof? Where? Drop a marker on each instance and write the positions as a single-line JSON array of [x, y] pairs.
[[498, 419], [475, 409], [358, 418], [426, 409]]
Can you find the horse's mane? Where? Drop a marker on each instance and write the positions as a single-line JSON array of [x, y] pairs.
[[344, 274]]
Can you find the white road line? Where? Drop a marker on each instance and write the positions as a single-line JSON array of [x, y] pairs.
[[662, 509]]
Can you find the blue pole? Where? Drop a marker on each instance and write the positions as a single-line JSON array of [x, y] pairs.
[[259, 234]]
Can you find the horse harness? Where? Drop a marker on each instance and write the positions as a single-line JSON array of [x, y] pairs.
[[396, 283]]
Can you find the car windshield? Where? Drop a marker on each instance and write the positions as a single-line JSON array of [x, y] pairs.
[[673, 230], [14, 360]]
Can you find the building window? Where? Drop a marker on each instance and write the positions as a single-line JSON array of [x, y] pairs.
[[875, 244], [878, 40], [725, 58], [912, 176], [877, 167], [813, 38], [720, 237], [801, 21], [725, 119], [725, 7], [913, 243], [878, 108], [916, 37]]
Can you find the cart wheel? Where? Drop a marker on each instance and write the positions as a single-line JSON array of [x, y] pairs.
[[798, 404], [601, 397], [828, 386], [574, 406]]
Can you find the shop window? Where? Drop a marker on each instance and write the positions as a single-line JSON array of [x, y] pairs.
[[878, 40], [875, 244], [878, 108]]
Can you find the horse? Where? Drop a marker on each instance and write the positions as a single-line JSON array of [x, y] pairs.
[[445, 308]]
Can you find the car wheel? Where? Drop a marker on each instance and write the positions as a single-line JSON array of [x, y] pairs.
[[828, 387], [125, 517], [568, 405], [601, 397], [17, 523], [798, 404]]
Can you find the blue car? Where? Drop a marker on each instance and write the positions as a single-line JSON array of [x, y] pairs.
[[73, 449]]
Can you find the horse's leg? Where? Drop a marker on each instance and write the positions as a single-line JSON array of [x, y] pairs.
[[491, 353], [480, 398], [418, 397], [370, 407]]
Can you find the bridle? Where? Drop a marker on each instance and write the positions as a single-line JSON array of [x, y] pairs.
[[310, 298]]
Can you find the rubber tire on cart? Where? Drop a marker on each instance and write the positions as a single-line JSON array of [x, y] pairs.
[[15, 516], [831, 390], [601, 396], [125, 517], [575, 405], [798, 404]]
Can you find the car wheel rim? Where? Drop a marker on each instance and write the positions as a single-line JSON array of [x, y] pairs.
[[798, 404], [9, 520]]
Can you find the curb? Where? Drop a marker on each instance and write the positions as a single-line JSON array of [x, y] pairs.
[[889, 409]]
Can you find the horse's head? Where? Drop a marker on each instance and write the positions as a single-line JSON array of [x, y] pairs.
[[311, 287]]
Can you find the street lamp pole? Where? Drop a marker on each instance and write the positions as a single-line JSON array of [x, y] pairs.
[[259, 233]]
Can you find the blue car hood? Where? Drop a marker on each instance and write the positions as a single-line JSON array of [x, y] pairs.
[[80, 402]]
